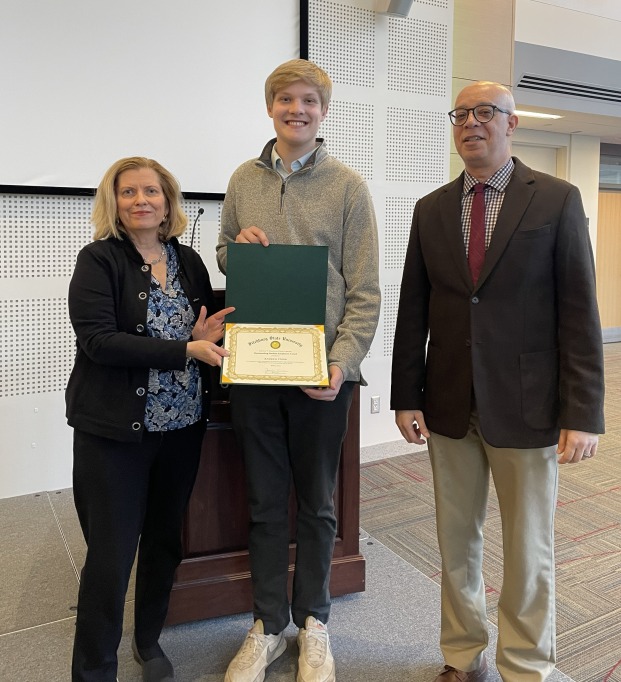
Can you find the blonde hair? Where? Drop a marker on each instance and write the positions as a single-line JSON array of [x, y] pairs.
[[105, 216], [298, 70]]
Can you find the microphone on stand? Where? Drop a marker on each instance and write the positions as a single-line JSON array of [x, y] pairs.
[[198, 215]]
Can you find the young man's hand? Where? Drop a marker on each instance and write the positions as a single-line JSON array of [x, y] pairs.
[[252, 235], [329, 393]]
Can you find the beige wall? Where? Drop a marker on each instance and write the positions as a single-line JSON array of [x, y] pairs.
[[482, 49], [608, 260]]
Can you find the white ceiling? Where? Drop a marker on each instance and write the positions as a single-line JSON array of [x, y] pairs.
[[608, 128]]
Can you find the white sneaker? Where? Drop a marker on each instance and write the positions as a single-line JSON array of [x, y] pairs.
[[255, 654], [316, 663]]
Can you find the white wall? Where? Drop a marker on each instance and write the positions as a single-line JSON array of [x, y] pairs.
[[582, 26], [397, 136], [578, 163]]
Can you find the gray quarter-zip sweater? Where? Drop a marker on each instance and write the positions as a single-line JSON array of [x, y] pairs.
[[325, 203]]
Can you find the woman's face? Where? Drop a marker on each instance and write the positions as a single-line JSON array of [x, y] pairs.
[[140, 200]]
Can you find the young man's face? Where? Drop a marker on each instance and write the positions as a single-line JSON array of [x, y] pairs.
[[297, 113]]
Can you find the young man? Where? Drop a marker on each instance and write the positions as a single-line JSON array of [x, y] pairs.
[[498, 362], [296, 193]]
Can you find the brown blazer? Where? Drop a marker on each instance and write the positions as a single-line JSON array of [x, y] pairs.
[[527, 339]]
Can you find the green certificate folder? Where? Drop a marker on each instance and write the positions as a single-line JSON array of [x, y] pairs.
[[276, 284], [275, 336]]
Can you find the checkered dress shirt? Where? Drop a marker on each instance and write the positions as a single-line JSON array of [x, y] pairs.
[[494, 195]]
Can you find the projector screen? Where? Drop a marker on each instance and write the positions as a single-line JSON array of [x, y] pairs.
[[86, 83]]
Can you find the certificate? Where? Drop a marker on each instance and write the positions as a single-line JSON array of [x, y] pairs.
[[270, 354], [275, 336]]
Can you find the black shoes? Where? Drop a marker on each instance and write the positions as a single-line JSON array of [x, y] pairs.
[[156, 666]]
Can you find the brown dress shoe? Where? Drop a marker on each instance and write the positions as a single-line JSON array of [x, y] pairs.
[[450, 674]]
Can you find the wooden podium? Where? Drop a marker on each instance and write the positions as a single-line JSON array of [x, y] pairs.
[[214, 576]]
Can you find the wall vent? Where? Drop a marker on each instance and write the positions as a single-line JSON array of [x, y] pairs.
[[569, 88]]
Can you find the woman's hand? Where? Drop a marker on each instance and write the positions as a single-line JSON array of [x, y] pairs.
[[210, 328], [206, 351]]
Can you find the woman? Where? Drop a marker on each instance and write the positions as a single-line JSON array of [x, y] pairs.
[[136, 398]]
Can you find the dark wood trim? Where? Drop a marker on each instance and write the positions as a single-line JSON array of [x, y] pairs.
[[303, 29], [201, 592]]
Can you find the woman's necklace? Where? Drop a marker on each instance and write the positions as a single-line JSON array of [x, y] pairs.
[[156, 260]]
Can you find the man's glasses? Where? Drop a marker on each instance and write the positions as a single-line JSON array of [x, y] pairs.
[[483, 114]]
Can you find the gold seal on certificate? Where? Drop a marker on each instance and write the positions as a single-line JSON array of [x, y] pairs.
[[275, 355], [275, 335]]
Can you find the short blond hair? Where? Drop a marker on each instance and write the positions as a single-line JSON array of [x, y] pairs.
[[298, 70], [105, 216]]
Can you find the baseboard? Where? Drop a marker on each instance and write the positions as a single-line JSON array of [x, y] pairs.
[[611, 335]]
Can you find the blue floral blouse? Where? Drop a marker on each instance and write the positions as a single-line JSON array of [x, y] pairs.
[[174, 396]]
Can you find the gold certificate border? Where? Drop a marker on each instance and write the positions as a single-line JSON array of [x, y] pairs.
[[230, 375]]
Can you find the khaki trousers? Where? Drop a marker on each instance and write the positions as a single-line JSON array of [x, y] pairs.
[[526, 483]]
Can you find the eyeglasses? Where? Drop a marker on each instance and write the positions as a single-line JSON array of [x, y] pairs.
[[484, 113]]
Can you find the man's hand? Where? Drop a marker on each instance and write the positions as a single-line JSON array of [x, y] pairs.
[[252, 235], [330, 393], [574, 446], [412, 425]]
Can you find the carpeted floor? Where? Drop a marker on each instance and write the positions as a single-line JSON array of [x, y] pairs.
[[397, 508]]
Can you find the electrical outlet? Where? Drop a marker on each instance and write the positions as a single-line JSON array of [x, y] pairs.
[[375, 404]]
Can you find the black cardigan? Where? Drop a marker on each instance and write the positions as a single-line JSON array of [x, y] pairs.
[[108, 296]]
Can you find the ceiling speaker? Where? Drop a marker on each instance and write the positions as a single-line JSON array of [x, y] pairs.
[[399, 8]]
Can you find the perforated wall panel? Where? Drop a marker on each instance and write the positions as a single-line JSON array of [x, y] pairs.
[[390, 303], [37, 344], [40, 236], [414, 137], [397, 233], [348, 130], [342, 40], [442, 4], [417, 52], [191, 210], [387, 120]]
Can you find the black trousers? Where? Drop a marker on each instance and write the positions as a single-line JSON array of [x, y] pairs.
[[285, 434], [128, 496]]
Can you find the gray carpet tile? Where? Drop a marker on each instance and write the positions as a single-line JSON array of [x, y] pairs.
[[64, 510], [39, 584], [397, 507], [38, 654], [387, 633]]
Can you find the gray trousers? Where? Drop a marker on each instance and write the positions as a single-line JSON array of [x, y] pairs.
[[287, 436]]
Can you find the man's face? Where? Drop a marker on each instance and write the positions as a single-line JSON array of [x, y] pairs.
[[484, 147], [297, 113]]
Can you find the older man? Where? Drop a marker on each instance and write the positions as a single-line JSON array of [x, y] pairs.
[[498, 363]]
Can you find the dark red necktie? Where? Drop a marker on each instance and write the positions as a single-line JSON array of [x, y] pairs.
[[476, 245]]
